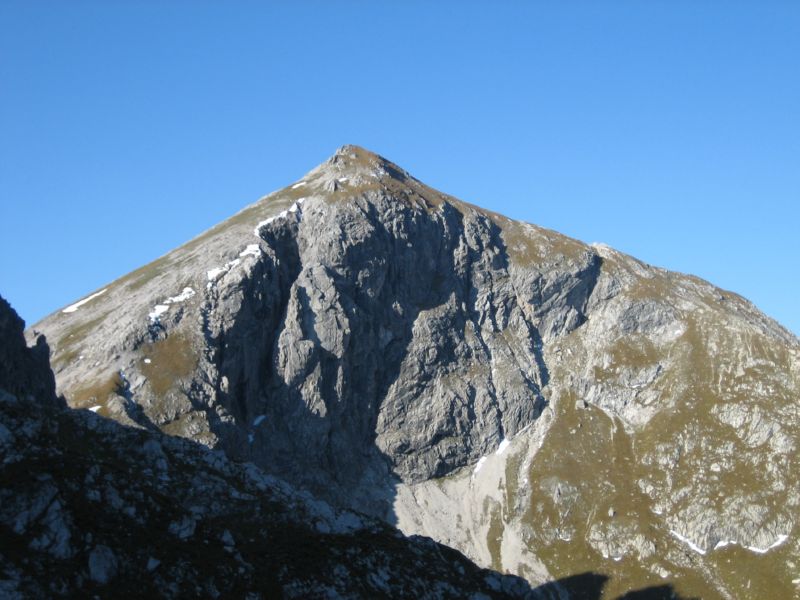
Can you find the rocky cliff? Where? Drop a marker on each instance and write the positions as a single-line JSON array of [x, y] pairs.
[[545, 406]]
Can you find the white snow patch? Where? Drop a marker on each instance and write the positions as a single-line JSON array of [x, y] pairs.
[[258, 420], [281, 215], [215, 273], [147, 361], [250, 438], [159, 310], [218, 272], [95, 408], [251, 250], [503, 445], [184, 295], [297, 185], [781, 538], [263, 223], [73, 307], [688, 542], [342, 179], [478, 466]]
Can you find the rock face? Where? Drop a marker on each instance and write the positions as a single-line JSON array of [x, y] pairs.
[[24, 371], [545, 406], [90, 508]]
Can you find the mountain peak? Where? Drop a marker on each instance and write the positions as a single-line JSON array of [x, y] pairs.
[[352, 166], [354, 157]]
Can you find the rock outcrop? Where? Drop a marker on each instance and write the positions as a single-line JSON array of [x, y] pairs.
[[545, 406]]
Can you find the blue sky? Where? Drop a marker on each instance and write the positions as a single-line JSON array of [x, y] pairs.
[[669, 130]]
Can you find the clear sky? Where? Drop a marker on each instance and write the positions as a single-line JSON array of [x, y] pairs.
[[669, 130]]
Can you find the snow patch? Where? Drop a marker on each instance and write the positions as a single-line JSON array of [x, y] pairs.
[[73, 307], [214, 273], [263, 223], [184, 295], [160, 309], [157, 311], [218, 272], [251, 250], [281, 215], [479, 465], [688, 542], [781, 538], [95, 408], [258, 420], [297, 185], [147, 361], [503, 445]]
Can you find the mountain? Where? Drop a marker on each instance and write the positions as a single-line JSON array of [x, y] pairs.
[[547, 407]]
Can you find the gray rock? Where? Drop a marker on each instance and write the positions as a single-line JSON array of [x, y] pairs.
[[183, 528], [103, 564], [227, 538], [56, 534], [6, 437]]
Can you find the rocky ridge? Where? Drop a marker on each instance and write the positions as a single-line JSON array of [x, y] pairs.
[[545, 406]]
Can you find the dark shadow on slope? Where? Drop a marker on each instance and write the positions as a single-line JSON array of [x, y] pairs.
[[585, 586], [590, 586], [660, 592]]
